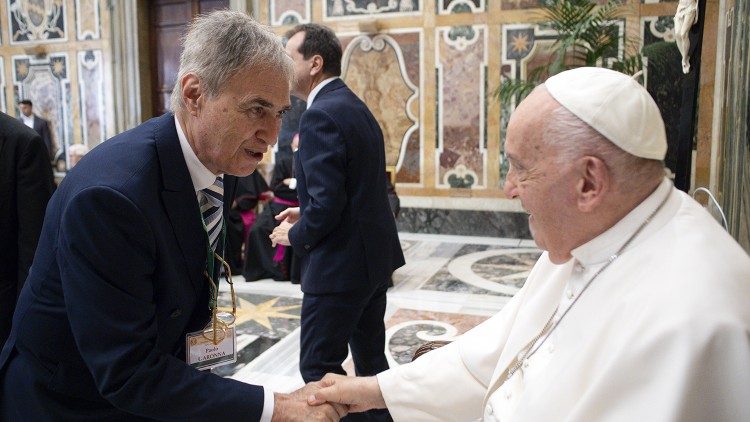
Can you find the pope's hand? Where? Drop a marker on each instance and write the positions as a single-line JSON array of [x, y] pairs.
[[359, 393]]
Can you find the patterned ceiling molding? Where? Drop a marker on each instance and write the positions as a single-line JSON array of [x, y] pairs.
[[289, 12], [87, 20], [37, 21], [348, 9], [446, 7]]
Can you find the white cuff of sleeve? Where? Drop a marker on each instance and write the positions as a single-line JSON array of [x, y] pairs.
[[293, 183], [268, 404]]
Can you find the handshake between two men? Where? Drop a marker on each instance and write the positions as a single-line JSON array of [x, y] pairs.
[[330, 399]]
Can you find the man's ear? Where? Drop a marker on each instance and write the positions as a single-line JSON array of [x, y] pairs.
[[316, 65], [192, 93], [595, 181]]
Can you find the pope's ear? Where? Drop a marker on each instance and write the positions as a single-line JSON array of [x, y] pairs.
[[594, 182], [192, 93]]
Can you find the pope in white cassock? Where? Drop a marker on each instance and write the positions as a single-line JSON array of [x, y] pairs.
[[639, 309]]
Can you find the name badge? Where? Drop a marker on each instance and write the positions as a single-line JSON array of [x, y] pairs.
[[202, 353]]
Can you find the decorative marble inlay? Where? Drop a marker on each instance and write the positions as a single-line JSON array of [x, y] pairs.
[[91, 88], [34, 21], [446, 7], [408, 329], [352, 8], [461, 57], [87, 20], [374, 68], [261, 322], [45, 82], [289, 12], [485, 270], [659, 27]]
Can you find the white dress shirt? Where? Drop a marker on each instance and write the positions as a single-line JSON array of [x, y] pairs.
[[203, 178], [317, 89]]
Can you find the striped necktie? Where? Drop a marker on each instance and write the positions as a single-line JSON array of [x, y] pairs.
[[211, 205]]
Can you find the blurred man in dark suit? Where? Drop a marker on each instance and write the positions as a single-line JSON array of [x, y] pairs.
[[25, 188], [38, 124]]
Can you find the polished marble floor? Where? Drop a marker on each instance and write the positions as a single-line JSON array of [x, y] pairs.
[[448, 285]]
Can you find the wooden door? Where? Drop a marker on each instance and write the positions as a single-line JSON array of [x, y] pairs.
[[168, 20]]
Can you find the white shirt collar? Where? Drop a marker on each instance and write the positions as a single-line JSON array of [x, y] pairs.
[[28, 120], [317, 89], [199, 174], [600, 248]]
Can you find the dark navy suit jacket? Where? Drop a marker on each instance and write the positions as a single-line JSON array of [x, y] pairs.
[[99, 331], [347, 235]]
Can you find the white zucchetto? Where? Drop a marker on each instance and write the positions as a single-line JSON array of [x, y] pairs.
[[615, 105]]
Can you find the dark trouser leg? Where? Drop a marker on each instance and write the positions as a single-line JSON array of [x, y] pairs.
[[332, 322]]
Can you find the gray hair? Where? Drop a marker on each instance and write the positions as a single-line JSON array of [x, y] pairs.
[[574, 138], [221, 43]]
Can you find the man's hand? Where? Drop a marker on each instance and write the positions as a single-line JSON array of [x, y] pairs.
[[290, 215], [360, 393], [280, 235], [293, 407]]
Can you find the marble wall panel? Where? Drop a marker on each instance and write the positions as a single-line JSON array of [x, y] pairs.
[[91, 88], [88, 20], [464, 222], [36, 21], [289, 12], [525, 47], [445, 7], [461, 59], [336, 9], [45, 82], [376, 69]]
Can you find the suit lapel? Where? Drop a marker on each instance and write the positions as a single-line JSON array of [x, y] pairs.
[[532, 316], [180, 201]]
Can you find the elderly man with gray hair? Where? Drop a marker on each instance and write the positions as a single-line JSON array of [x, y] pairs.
[[639, 308], [119, 318]]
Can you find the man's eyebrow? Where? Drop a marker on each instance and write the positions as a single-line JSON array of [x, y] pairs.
[[258, 101]]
